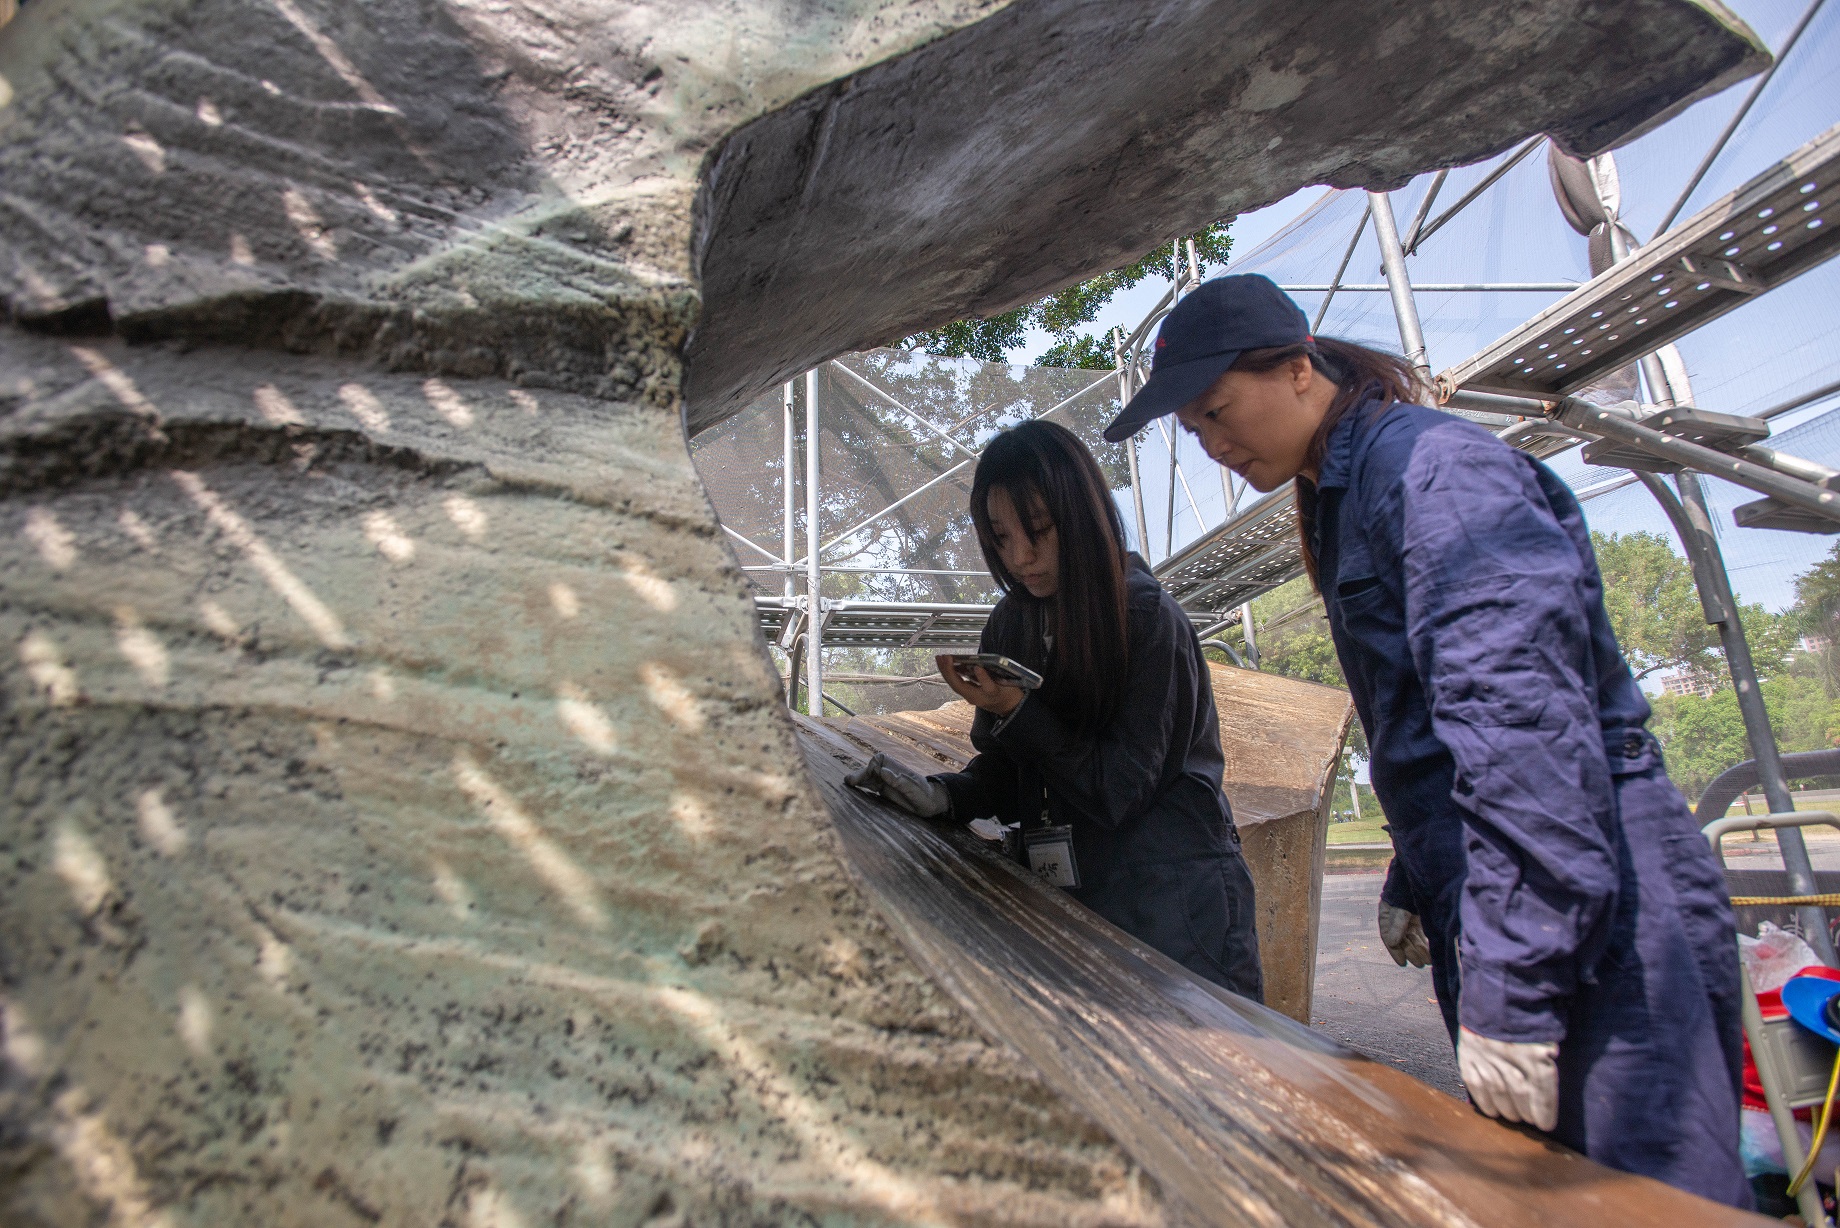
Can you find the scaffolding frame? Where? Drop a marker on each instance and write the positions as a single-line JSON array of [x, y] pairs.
[[1687, 271]]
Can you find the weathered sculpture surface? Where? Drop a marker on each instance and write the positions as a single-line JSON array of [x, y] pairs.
[[400, 823]]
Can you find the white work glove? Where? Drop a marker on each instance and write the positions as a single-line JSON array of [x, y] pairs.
[[915, 794], [1404, 936], [1512, 1080]]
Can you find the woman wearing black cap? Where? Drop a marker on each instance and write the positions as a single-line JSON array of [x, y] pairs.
[[1577, 925], [1113, 766]]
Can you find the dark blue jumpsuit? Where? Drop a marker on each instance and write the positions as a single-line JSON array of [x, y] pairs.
[[1563, 884]]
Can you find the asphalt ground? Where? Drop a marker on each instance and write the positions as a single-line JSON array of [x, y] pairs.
[[1367, 1002]]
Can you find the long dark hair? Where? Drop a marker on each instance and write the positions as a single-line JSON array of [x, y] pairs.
[[1045, 468], [1359, 375]]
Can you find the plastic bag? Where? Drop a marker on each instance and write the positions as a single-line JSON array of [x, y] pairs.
[[1773, 956]]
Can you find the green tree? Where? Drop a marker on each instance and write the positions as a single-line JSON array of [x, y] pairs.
[[1655, 611], [1704, 735], [1653, 606], [1063, 312], [1817, 597]]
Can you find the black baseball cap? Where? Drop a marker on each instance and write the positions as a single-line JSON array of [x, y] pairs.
[[1203, 336]]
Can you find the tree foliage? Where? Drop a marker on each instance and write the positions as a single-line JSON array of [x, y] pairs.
[[1817, 594], [1063, 312], [1649, 595]]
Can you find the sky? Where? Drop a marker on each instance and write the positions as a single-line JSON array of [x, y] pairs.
[[1780, 345]]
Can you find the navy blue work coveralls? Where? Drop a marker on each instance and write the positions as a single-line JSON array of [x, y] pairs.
[[1563, 884], [1153, 836]]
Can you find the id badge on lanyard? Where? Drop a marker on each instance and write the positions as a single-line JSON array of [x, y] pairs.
[[1050, 851]]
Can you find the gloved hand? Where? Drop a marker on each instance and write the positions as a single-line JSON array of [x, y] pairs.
[[1404, 936], [914, 794], [1512, 1080]]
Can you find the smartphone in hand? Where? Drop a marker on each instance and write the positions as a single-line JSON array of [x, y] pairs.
[[1001, 669]]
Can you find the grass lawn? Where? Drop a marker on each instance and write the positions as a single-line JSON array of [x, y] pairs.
[[1364, 831]]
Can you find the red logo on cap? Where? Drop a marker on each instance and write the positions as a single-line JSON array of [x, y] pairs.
[[1160, 343]]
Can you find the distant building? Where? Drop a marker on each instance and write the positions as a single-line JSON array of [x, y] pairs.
[[1689, 682]]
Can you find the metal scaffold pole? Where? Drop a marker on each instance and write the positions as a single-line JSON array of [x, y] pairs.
[[791, 545], [814, 625], [1393, 261], [1130, 445], [1693, 522]]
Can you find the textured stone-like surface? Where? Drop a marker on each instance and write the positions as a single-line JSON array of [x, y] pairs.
[[400, 825], [400, 828]]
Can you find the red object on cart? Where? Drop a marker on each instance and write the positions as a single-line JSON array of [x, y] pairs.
[[1771, 1006]]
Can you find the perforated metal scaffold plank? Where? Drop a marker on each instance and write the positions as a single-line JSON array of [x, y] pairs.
[[1247, 556], [1754, 239]]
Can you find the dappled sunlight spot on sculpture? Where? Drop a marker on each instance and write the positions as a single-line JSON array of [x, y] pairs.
[[467, 516], [671, 697], [843, 959], [365, 407], [141, 648], [525, 401], [55, 544], [453, 890], [195, 1021], [240, 251], [382, 685], [824, 1143], [369, 198], [158, 825], [587, 722], [49, 671], [218, 619], [447, 403], [20, 1043], [112, 377], [334, 56], [594, 1175], [324, 622], [274, 962], [276, 407], [158, 255], [76, 860], [138, 529], [492, 1208], [547, 858], [382, 531], [307, 224], [148, 150], [653, 589], [691, 816], [103, 1163], [564, 600], [208, 114]]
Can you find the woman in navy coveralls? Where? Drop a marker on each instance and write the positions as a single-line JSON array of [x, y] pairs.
[[1577, 924]]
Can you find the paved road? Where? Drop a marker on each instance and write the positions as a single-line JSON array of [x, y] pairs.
[[1365, 1001]]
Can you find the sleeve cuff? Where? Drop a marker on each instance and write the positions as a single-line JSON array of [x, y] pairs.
[[1500, 1005], [1396, 890]]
